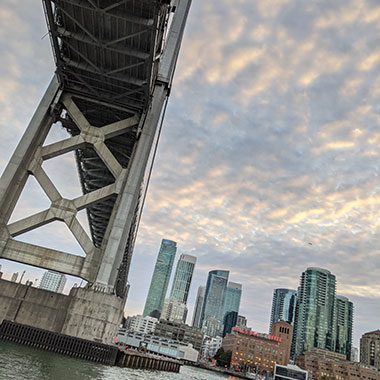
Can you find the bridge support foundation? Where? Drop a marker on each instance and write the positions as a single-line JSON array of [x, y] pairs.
[[84, 313]]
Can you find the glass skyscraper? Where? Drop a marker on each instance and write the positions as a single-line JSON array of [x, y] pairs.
[[160, 279], [344, 321], [198, 307], [214, 295], [232, 298], [283, 306], [315, 315], [182, 278]]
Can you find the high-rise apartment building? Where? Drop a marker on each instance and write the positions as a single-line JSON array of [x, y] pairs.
[[198, 307], [232, 299], [174, 311], [182, 278], [315, 315], [160, 279], [241, 321], [53, 281], [214, 295], [344, 321], [370, 349], [283, 306]]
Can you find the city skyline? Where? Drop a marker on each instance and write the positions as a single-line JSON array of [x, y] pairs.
[[345, 308], [273, 131]]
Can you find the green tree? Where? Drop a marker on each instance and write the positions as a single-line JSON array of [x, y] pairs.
[[223, 358]]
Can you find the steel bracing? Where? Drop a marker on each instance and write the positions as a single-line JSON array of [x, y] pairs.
[[115, 62]]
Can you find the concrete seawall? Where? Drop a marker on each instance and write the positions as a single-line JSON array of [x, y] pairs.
[[84, 313]]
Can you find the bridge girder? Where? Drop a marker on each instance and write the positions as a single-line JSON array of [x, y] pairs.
[[112, 82]]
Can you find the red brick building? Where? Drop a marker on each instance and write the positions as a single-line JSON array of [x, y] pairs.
[[324, 364], [259, 350]]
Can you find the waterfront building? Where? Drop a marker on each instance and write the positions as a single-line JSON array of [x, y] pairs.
[[174, 311], [370, 349], [210, 346], [229, 322], [160, 279], [344, 321], [159, 345], [289, 372], [283, 306], [53, 281], [232, 298], [259, 351], [138, 323], [214, 295], [182, 279], [198, 307], [212, 327], [324, 364], [180, 332], [315, 315]]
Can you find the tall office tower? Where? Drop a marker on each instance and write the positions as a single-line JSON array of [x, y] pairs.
[[53, 281], [232, 298], [316, 311], [370, 349], [344, 321], [229, 322], [295, 325], [182, 278], [198, 307], [214, 295], [14, 277], [283, 306], [160, 279]]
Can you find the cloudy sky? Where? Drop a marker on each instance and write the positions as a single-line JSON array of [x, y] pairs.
[[271, 142]]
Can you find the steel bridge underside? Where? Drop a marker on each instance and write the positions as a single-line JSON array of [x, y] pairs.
[[115, 61], [107, 54]]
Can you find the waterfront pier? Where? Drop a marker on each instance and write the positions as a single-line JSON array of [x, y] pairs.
[[131, 358]]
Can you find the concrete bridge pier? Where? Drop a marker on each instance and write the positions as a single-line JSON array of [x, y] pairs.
[[84, 313]]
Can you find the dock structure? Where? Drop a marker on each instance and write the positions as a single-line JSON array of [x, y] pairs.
[[131, 358], [58, 343], [85, 349]]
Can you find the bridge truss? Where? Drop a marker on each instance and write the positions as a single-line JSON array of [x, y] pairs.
[[115, 63]]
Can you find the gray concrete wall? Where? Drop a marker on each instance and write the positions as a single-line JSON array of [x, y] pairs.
[[94, 315], [84, 313], [32, 306]]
